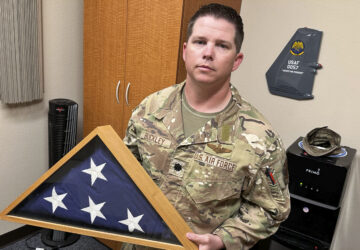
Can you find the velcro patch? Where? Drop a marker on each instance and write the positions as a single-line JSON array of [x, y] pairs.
[[222, 150], [215, 161], [161, 141]]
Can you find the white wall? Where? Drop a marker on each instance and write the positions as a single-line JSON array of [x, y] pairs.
[[24, 128], [269, 25]]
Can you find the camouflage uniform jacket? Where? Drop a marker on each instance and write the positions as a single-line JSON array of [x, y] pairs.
[[229, 178]]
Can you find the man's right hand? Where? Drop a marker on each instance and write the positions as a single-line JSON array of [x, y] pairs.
[[206, 241]]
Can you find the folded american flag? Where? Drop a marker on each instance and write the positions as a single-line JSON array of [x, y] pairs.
[[92, 190]]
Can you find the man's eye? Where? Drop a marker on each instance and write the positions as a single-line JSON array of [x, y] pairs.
[[200, 42], [223, 46]]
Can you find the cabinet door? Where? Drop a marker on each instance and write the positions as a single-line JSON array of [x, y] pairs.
[[152, 50], [104, 60]]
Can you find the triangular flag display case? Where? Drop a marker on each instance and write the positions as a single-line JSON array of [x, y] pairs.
[[99, 189]]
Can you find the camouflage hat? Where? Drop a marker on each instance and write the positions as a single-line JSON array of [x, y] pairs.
[[322, 141]]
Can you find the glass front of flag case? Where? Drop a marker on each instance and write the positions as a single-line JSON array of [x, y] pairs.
[[92, 190], [99, 189]]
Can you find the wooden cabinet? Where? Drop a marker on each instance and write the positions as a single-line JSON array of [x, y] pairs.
[[132, 48]]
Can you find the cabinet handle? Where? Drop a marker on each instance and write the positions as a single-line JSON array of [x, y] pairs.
[[117, 92], [127, 94]]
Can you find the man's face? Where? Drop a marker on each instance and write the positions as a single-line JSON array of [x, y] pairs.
[[210, 52]]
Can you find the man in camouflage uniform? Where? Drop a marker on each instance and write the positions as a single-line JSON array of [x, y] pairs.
[[214, 156]]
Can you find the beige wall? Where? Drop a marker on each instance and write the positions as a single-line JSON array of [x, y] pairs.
[[23, 128], [269, 25]]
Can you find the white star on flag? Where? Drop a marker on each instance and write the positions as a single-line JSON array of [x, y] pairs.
[[56, 200], [132, 222], [94, 210], [95, 171]]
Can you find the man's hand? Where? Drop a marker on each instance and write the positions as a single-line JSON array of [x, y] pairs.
[[206, 241]]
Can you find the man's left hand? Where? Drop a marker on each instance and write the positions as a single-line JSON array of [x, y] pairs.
[[206, 241]]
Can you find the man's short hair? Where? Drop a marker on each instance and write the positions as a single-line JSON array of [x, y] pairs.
[[220, 11]]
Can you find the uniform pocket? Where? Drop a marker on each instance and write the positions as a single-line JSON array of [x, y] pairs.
[[214, 201], [205, 192], [273, 184]]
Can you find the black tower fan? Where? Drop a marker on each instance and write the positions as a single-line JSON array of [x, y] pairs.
[[62, 128], [62, 138]]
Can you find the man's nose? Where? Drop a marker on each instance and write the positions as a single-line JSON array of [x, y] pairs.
[[208, 53]]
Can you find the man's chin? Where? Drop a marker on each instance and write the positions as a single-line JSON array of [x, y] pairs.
[[205, 80]]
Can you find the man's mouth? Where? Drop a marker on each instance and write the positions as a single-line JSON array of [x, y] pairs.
[[206, 67]]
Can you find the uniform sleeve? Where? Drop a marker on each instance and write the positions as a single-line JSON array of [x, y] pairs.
[[131, 138], [265, 202]]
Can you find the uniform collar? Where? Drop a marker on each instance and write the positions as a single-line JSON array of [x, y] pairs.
[[171, 102], [223, 132], [175, 96], [170, 113], [235, 95]]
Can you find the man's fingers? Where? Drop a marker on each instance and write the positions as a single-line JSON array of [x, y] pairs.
[[197, 238], [191, 236], [206, 241]]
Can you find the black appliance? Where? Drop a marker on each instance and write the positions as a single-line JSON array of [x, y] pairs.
[[316, 186], [62, 124], [319, 179], [62, 120]]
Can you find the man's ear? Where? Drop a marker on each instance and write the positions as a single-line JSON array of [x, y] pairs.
[[184, 49], [238, 60]]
